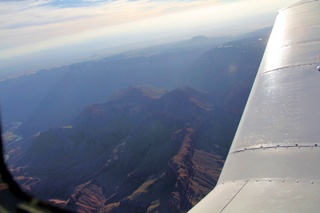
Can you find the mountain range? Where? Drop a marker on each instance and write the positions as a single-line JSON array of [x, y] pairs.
[[138, 133], [137, 152]]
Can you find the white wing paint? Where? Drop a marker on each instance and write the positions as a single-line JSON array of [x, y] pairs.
[[274, 161]]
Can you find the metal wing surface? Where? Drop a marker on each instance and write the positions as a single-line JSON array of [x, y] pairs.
[[274, 162]]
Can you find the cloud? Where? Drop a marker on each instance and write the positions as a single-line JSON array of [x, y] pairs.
[[31, 26], [36, 21]]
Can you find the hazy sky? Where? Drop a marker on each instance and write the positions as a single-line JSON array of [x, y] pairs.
[[65, 30]]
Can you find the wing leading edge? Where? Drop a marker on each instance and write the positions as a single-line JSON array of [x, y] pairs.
[[273, 163]]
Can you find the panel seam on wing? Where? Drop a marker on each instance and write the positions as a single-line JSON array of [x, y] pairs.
[[275, 147], [286, 67], [293, 44], [304, 27], [234, 196], [264, 179]]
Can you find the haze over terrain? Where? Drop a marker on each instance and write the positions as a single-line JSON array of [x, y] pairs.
[[139, 110], [142, 131]]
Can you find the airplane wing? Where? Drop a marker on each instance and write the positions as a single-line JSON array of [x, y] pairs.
[[273, 163]]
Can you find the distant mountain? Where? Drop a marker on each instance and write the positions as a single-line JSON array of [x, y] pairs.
[[229, 65], [199, 38], [195, 46], [138, 152], [258, 33], [19, 97], [53, 98]]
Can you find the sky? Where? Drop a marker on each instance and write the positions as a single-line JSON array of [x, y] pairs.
[[40, 34]]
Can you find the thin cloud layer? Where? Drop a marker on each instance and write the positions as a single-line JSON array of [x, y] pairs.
[[45, 20], [34, 26]]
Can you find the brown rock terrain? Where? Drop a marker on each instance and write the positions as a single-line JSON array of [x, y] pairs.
[[136, 153], [86, 198], [181, 169]]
